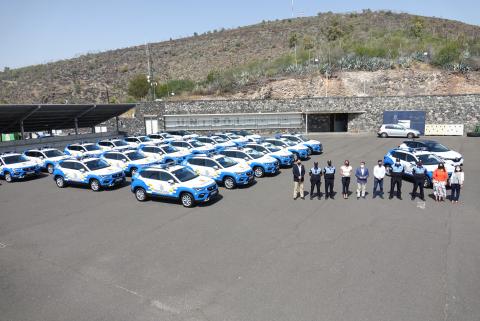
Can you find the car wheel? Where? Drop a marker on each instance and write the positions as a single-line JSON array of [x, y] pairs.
[[60, 182], [384, 135], [95, 185], [258, 171], [140, 194], [50, 169], [410, 135], [187, 200], [8, 177], [133, 171], [229, 182]]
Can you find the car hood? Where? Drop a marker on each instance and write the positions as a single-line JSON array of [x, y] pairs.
[[264, 159], [107, 171], [449, 155], [299, 146], [142, 161], [200, 181], [94, 152], [240, 167], [282, 153], [22, 164], [180, 153], [313, 142]]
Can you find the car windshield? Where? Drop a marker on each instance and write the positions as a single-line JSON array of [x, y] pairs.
[[196, 143], [429, 159], [169, 149], [273, 149], [184, 174], [95, 164], [437, 147], [293, 139], [135, 155], [290, 143], [220, 140], [91, 147], [254, 154], [144, 139], [119, 143], [234, 136], [301, 137], [13, 159], [53, 153], [226, 162]]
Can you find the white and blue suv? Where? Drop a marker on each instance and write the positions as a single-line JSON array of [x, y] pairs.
[[177, 182], [17, 166], [46, 158], [314, 145], [83, 150], [193, 146], [130, 161], [135, 141], [222, 169], [114, 144], [217, 142], [436, 148], [260, 163], [165, 154], [409, 157], [283, 156], [298, 150], [94, 172]]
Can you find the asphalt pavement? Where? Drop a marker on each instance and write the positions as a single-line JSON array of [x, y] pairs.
[[253, 254]]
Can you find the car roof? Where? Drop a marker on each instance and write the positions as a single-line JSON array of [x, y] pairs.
[[9, 154]]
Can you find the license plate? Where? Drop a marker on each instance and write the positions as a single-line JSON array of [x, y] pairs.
[[215, 192]]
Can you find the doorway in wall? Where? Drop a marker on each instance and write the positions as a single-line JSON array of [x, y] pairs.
[[334, 122]]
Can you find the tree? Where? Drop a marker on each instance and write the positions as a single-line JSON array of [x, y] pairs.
[[293, 40], [308, 43], [417, 27], [138, 87]]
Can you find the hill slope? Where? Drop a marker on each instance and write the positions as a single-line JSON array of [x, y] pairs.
[[229, 62]]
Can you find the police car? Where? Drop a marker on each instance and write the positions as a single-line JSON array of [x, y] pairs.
[[113, 144], [284, 156], [130, 161], [218, 142], [135, 141], [298, 150], [314, 145], [193, 146], [222, 169], [83, 150], [436, 148], [409, 158], [177, 182], [46, 158], [165, 154], [17, 166], [260, 163], [94, 172]]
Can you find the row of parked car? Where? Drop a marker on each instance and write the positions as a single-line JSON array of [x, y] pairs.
[[177, 165], [431, 153]]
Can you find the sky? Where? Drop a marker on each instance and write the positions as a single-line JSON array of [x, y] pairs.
[[41, 31]]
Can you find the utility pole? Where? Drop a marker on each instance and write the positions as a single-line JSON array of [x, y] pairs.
[[150, 72]]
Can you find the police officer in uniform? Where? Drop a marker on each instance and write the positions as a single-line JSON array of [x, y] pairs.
[[329, 174], [396, 179], [315, 175], [419, 174]]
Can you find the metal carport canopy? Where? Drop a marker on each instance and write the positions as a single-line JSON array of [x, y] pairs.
[[44, 117]]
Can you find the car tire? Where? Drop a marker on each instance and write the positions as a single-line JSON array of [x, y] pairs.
[[229, 182], [258, 171], [187, 199], [50, 168], [384, 135], [133, 171], [8, 177], [94, 185], [141, 194], [410, 135], [60, 182]]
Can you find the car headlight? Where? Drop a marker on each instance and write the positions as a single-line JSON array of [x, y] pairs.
[[104, 176], [198, 189]]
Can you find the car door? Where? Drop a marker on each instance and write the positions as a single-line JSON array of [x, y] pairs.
[[211, 168], [151, 180], [198, 166], [409, 163]]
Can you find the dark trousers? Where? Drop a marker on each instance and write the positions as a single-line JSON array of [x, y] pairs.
[[418, 183], [396, 180], [455, 192], [377, 184], [345, 184], [312, 187], [329, 187]]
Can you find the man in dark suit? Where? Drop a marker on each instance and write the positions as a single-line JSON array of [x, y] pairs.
[[298, 171]]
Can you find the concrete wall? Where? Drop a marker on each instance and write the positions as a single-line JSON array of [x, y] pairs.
[[366, 113]]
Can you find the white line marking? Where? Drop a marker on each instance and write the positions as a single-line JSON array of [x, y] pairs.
[[164, 307], [3, 245], [421, 205]]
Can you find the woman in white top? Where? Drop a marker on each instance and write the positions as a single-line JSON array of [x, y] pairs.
[[345, 173], [456, 183]]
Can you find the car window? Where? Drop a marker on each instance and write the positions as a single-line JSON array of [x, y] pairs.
[[149, 174], [109, 156], [410, 158], [229, 153], [30, 154], [67, 165], [210, 163], [389, 127], [241, 155], [401, 155], [411, 144], [78, 166], [165, 177]]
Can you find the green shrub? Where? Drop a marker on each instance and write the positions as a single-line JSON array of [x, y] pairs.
[[138, 87], [176, 86], [448, 54]]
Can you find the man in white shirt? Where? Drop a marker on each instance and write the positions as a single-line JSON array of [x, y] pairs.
[[378, 174]]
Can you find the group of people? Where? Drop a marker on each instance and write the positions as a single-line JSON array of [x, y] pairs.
[[440, 180]]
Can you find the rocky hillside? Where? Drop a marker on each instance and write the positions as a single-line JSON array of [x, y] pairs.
[[368, 53]]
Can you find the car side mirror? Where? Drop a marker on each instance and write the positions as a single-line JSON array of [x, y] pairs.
[[246, 158], [82, 170], [215, 167], [41, 157], [170, 181], [124, 160]]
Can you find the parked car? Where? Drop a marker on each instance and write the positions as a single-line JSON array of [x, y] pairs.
[[135, 141], [284, 156], [217, 142], [83, 150], [397, 130], [94, 172], [177, 182], [314, 145], [222, 169], [46, 158], [436, 148], [193, 146], [113, 144], [260, 163], [130, 161], [298, 150], [16, 166]]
